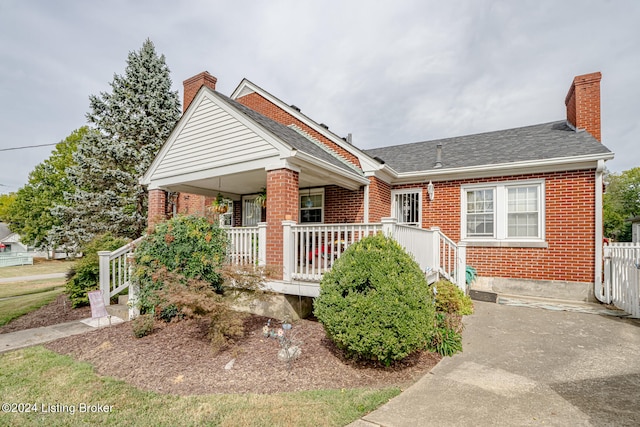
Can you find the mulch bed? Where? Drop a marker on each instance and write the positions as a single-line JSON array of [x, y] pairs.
[[177, 359]]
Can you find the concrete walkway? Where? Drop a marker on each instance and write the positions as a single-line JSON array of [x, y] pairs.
[[29, 337], [33, 277], [528, 366]]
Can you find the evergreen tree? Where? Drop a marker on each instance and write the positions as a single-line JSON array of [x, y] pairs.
[[131, 123], [30, 213]]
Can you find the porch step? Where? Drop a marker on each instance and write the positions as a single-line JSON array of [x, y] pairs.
[[559, 305], [119, 310], [483, 296]]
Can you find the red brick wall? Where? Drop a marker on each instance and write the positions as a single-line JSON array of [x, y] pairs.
[[343, 206], [193, 84], [282, 204], [157, 211], [379, 199], [191, 204], [583, 103], [569, 229], [266, 108]]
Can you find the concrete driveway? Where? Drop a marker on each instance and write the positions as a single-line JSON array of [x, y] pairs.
[[528, 366]]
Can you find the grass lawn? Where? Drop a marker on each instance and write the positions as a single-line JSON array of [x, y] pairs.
[[13, 308], [31, 287], [39, 267], [74, 385]]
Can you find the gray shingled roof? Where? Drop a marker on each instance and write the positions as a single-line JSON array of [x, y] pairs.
[[4, 230], [538, 142], [288, 135]]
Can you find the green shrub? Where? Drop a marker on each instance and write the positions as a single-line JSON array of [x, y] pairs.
[[189, 245], [447, 337], [375, 303], [85, 276], [183, 298], [142, 325], [451, 299], [451, 305]]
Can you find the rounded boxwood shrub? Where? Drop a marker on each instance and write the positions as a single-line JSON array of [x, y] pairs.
[[375, 302], [188, 245]]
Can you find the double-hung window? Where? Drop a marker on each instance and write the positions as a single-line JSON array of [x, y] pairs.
[[406, 208], [312, 205], [510, 211]]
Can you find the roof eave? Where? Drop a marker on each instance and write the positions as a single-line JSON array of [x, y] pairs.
[[367, 163], [515, 168]]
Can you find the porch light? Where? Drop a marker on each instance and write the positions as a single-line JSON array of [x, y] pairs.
[[430, 191], [309, 202]]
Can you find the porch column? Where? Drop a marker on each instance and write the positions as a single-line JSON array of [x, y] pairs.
[[157, 211], [282, 205]]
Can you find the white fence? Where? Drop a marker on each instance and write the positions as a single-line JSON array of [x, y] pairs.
[[8, 259], [312, 249], [622, 277]]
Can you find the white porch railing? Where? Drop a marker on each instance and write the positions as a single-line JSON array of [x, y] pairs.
[[308, 252], [245, 244], [311, 249], [622, 277], [432, 250], [115, 272]]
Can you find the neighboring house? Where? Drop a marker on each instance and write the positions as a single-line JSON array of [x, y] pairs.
[[9, 241], [526, 202], [635, 229]]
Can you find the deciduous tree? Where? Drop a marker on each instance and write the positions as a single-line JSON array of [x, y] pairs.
[[621, 202]]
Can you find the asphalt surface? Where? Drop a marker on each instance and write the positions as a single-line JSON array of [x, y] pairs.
[[528, 366]]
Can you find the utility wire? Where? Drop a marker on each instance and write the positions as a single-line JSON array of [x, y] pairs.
[[27, 146]]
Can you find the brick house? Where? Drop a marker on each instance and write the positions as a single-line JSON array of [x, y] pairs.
[[523, 206]]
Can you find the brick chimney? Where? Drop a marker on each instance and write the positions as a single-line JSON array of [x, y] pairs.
[[583, 103], [193, 85]]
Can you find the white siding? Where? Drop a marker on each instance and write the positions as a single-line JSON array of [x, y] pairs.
[[211, 138]]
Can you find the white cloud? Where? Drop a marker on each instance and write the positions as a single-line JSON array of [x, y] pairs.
[[389, 72]]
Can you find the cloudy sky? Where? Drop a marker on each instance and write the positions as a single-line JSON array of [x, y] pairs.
[[389, 72]]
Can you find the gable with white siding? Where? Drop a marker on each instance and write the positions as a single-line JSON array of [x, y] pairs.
[[212, 136]]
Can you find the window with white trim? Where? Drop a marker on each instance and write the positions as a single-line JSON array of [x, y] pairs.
[[251, 211], [512, 211], [406, 206], [312, 205]]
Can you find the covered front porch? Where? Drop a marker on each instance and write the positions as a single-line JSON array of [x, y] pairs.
[[308, 251]]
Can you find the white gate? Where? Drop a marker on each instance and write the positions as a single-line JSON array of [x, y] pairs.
[[622, 277]]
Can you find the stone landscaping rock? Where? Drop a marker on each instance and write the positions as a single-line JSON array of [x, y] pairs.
[[291, 353], [229, 365]]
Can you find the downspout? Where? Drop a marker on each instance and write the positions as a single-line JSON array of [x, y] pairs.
[[599, 232]]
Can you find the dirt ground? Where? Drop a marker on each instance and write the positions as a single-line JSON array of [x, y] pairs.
[[177, 358]]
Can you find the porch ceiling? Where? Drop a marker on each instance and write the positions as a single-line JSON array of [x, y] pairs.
[[235, 185]]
